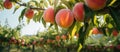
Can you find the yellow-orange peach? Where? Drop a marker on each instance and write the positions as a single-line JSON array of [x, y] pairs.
[[48, 15], [78, 11], [96, 4], [64, 18]]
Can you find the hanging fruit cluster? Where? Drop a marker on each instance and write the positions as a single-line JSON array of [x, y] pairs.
[[77, 16]]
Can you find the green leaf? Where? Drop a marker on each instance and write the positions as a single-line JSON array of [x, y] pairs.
[[50, 26], [39, 16], [58, 8], [75, 28], [28, 21], [108, 2], [51, 2], [43, 22], [34, 18], [36, 3], [70, 29], [22, 15], [114, 3], [66, 3], [95, 21], [16, 8], [1, 5], [115, 13], [45, 3], [83, 32], [56, 27], [88, 14], [80, 47]]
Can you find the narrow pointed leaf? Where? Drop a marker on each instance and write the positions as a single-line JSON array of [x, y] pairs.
[[22, 15], [43, 22]]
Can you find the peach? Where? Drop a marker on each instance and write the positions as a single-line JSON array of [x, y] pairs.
[[49, 40], [48, 15], [64, 37], [114, 32], [23, 43], [7, 4], [78, 11], [29, 13], [12, 38], [57, 38], [64, 18], [34, 42], [41, 39], [96, 4], [19, 40], [95, 31]]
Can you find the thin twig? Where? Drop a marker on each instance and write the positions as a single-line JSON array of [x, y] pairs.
[[24, 4]]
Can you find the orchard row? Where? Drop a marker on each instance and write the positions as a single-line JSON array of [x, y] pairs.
[[58, 40]]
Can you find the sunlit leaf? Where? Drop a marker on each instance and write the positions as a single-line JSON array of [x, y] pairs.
[[35, 2], [28, 21], [35, 17], [66, 3], [112, 2], [76, 28], [16, 8], [110, 25], [70, 29], [95, 20], [46, 4], [39, 16], [80, 47]]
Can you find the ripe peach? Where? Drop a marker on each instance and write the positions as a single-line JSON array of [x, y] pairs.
[[57, 38], [19, 40], [78, 11], [34, 42], [49, 41], [95, 31], [41, 39], [13, 38], [15, 41], [64, 18], [114, 32], [53, 41], [7, 4], [29, 13], [23, 43], [22, 40], [96, 4], [64, 37], [48, 15]]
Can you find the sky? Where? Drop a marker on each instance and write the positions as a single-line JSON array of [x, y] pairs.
[[29, 29]]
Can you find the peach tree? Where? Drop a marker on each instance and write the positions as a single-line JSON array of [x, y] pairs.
[[75, 16]]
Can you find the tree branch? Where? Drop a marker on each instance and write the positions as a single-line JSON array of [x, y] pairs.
[[24, 4]]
